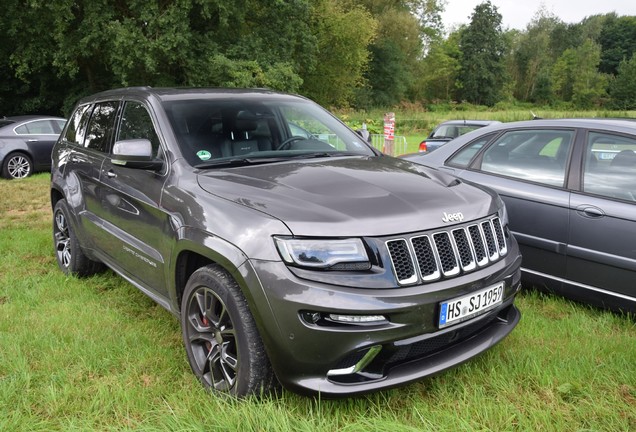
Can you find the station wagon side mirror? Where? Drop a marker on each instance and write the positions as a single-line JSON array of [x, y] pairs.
[[135, 153]]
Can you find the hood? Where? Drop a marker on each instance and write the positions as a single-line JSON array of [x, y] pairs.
[[350, 196]]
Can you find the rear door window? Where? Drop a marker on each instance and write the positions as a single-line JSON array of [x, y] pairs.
[[101, 125], [537, 155]]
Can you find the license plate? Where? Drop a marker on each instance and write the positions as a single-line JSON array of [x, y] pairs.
[[462, 308]]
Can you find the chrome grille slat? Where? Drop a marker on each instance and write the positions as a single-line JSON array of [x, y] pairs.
[[491, 244], [402, 261], [448, 253], [501, 241], [427, 263], [465, 251]]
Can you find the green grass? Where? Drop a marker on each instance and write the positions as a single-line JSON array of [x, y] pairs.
[[96, 354]]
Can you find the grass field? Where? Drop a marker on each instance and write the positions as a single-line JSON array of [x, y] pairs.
[[95, 354]]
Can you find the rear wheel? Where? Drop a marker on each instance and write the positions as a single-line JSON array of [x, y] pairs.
[[17, 166], [221, 340], [70, 257]]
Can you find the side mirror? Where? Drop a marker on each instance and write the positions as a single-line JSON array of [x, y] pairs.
[[135, 153], [364, 133]]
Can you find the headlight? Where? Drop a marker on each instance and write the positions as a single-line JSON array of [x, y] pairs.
[[346, 254], [503, 212]]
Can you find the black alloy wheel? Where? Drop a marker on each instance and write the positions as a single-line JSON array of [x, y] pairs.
[[70, 257], [224, 348]]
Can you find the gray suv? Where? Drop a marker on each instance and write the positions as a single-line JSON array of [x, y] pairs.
[[290, 249]]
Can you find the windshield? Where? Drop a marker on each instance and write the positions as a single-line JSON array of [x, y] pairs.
[[216, 132]]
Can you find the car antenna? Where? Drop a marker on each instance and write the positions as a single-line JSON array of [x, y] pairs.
[[535, 117]]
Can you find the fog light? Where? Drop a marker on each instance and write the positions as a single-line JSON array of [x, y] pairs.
[[354, 319]]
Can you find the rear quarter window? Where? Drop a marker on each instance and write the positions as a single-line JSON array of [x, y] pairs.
[[463, 157]]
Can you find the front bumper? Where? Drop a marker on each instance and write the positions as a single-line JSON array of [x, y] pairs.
[[337, 359]]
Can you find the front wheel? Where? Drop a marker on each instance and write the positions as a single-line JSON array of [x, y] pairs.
[[17, 166], [70, 257], [221, 340]]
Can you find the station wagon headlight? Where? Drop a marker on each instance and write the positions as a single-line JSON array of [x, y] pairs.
[[322, 254]]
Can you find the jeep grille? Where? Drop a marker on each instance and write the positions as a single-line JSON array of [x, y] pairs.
[[431, 256]]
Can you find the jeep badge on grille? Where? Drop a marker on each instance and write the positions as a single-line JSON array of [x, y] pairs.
[[453, 217]]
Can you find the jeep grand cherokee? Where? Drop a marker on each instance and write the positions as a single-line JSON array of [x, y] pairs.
[[290, 249]]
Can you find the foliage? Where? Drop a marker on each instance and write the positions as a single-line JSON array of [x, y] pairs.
[[576, 77], [362, 53], [482, 47], [438, 72], [618, 42], [342, 56], [531, 59], [623, 87]]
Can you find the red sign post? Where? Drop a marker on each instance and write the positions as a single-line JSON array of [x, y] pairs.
[[389, 133]]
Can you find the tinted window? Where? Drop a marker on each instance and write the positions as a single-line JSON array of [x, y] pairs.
[[58, 125], [535, 155], [101, 126], [610, 166], [77, 125], [137, 124], [463, 157], [224, 128], [38, 127], [453, 131]]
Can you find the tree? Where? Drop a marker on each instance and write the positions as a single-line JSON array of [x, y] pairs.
[[618, 42], [576, 78], [623, 88], [70, 48], [342, 55], [531, 59], [437, 79], [482, 63], [396, 50]]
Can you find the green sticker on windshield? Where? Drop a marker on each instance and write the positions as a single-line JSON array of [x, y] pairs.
[[204, 154]]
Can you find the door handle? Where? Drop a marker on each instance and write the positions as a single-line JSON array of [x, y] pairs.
[[590, 211], [111, 174], [32, 140]]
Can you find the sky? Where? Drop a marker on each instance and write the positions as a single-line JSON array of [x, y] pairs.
[[518, 13]]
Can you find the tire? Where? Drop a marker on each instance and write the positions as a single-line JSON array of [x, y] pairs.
[[220, 336], [16, 166], [70, 257]]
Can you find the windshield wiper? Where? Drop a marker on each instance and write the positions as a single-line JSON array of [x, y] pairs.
[[324, 154], [238, 162]]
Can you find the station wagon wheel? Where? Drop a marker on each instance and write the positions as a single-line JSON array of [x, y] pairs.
[[223, 346], [70, 257], [17, 166]]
